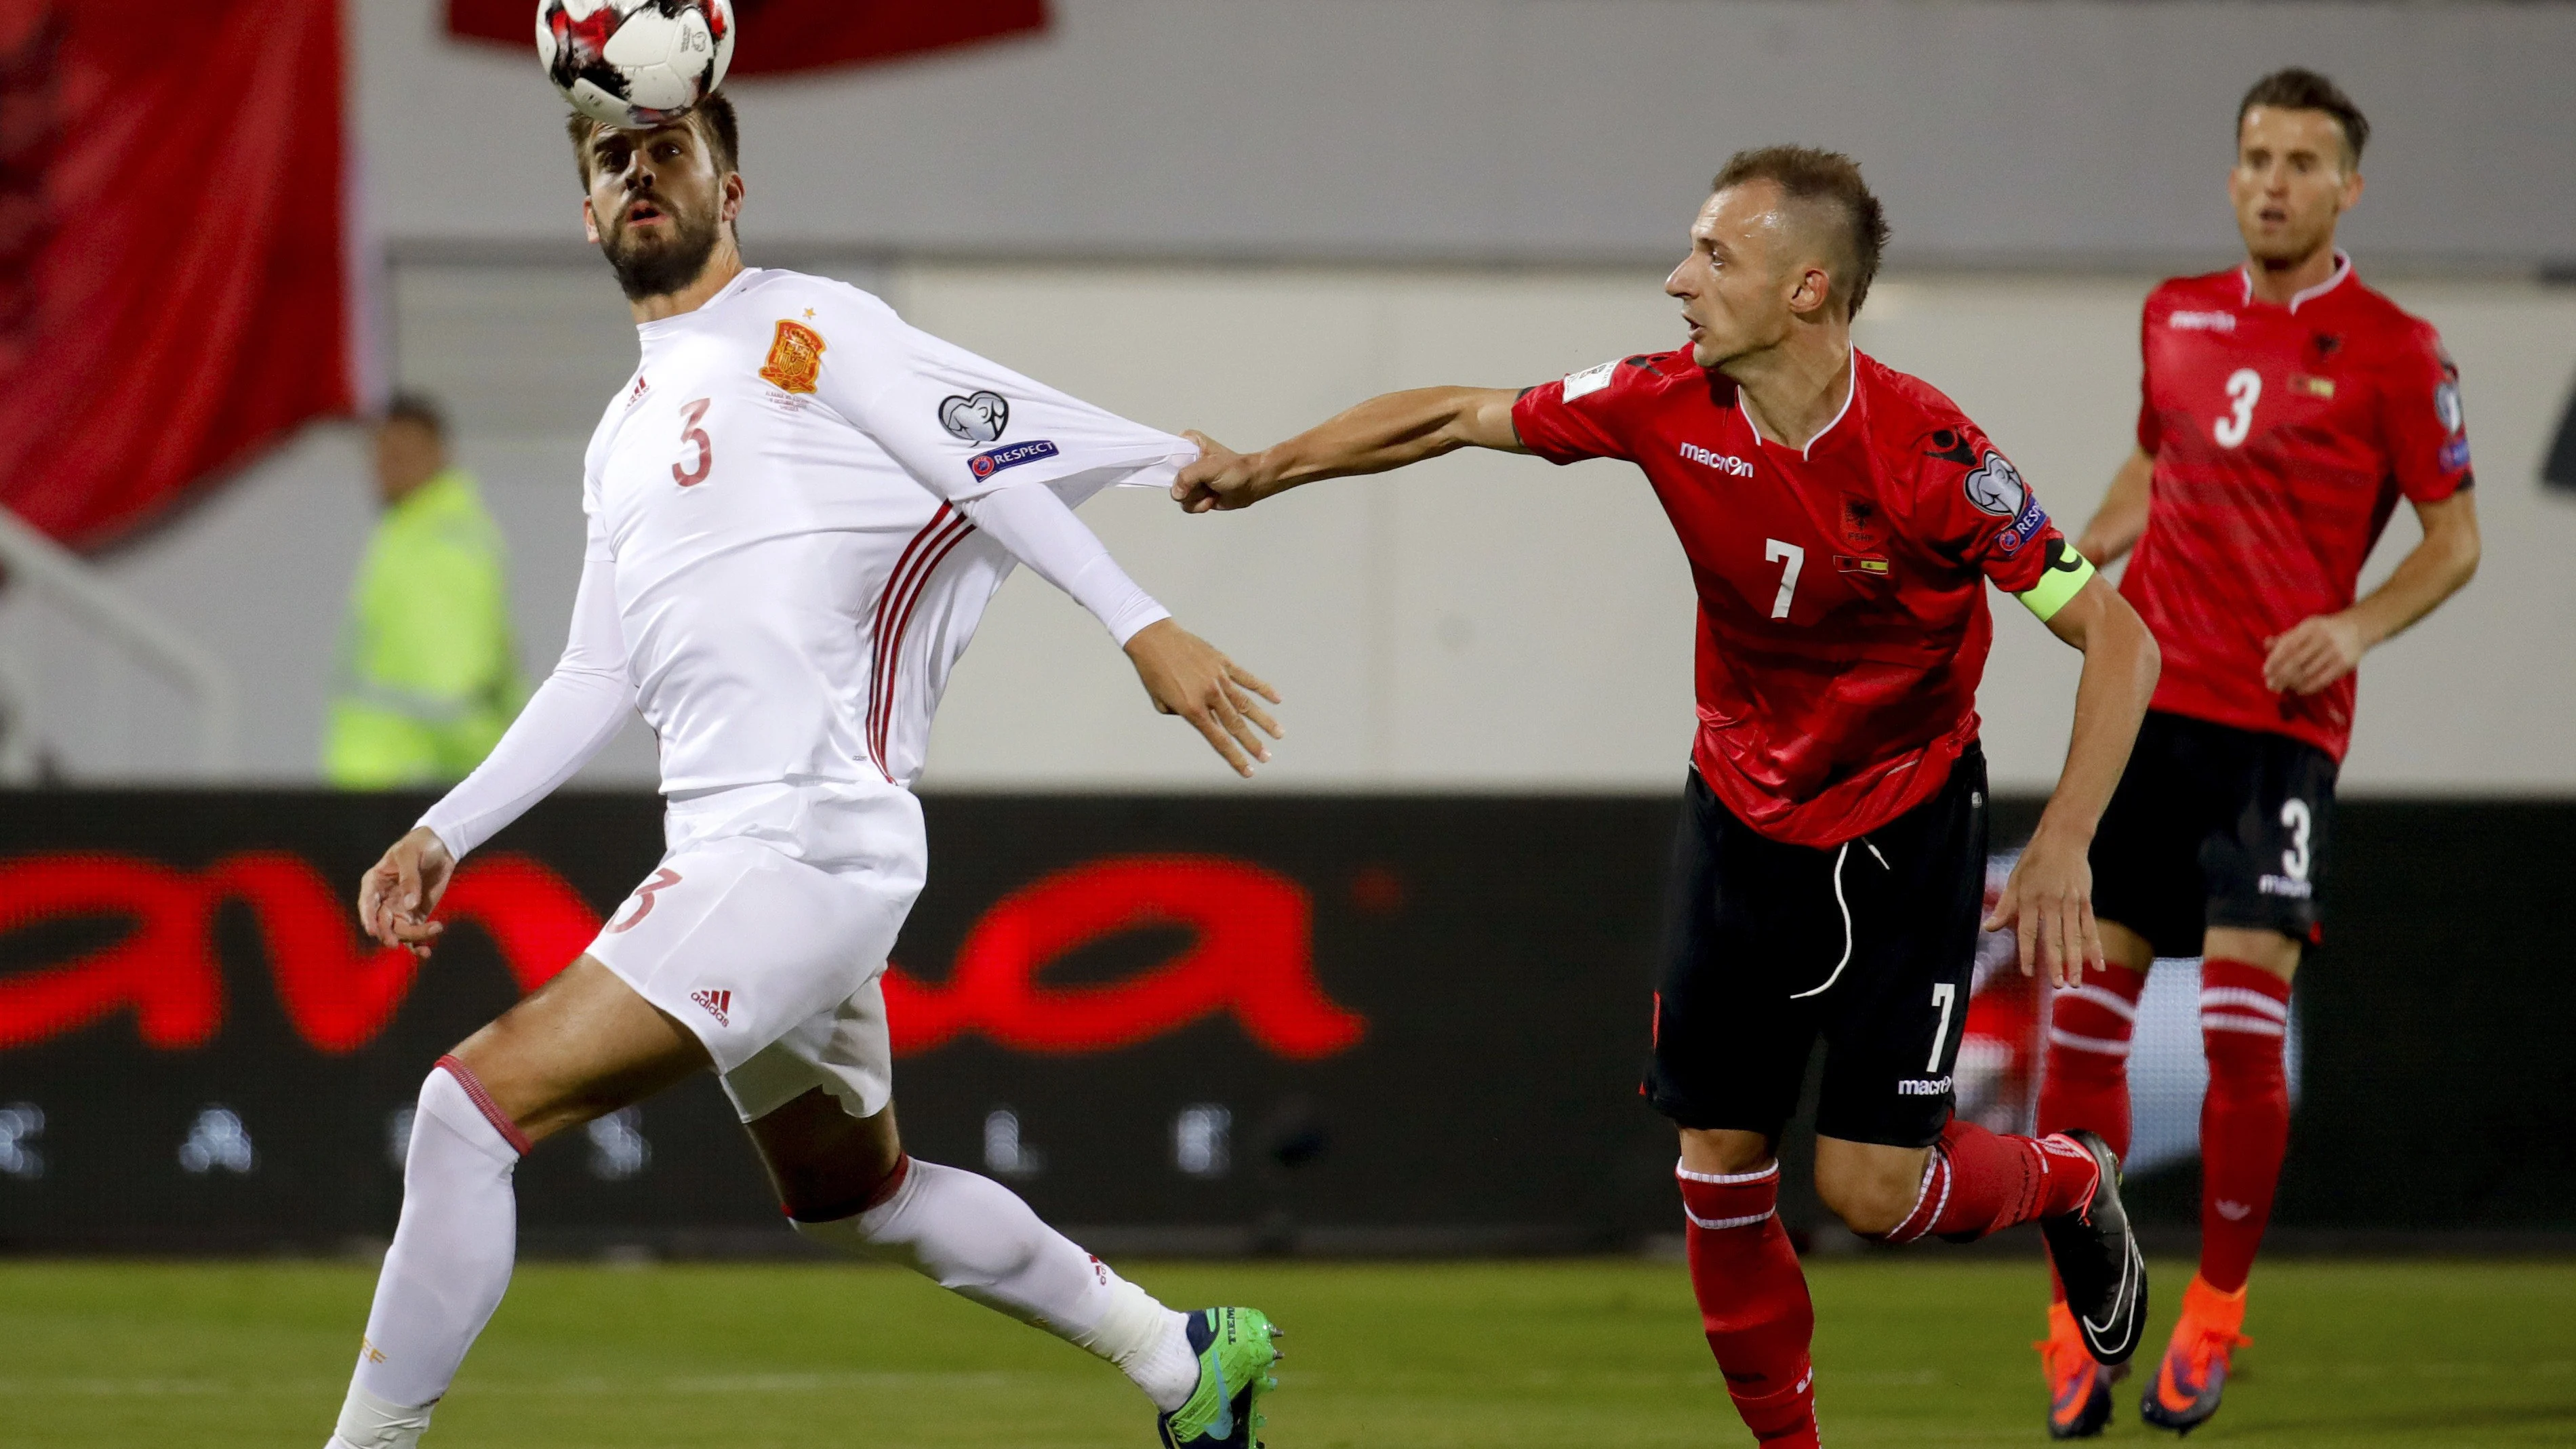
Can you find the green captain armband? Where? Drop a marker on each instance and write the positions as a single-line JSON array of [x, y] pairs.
[[2064, 577]]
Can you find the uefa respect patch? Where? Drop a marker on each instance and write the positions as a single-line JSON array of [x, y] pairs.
[[986, 464]]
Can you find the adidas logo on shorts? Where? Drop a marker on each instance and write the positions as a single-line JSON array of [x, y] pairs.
[[717, 1003]]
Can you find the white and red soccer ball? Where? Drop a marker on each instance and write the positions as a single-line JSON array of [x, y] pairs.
[[634, 63]]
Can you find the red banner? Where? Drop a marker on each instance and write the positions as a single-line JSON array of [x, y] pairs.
[[1250, 955], [790, 35], [173, 278]]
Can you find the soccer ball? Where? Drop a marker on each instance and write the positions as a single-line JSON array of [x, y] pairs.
[[634, 63]]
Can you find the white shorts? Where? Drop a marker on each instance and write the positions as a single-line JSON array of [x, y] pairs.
[[765, 929]]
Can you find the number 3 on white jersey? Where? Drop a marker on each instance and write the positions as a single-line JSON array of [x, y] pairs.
[[693, 436], [1776, 552], [2244, 386]]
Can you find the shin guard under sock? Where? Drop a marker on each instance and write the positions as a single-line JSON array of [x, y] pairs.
[[449, 1263], [2245, 1118], [977, 1239], [1753, 1301], [1979, 1182]]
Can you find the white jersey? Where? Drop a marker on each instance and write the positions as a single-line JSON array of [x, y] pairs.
[[783, 558], [775, 488]]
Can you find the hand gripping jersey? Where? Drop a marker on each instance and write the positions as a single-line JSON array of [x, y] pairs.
[[1842, 608], [776, 488], [2283, 437], [781, 567]]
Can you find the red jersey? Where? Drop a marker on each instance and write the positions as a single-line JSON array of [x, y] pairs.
[[2283, 437], [1842, 604]]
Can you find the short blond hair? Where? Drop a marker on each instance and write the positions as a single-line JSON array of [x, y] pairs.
[[1804, 173]]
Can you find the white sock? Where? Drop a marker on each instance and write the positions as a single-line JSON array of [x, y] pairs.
[[445, 1272], [975, 1238], [368, 1422]]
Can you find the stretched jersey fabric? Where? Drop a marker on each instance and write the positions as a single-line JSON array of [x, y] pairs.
[[1842, 609], [784, 558], [2283, 437]]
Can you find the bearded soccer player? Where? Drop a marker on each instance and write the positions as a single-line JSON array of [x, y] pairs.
[[2287, 409], [798, 509], [1842, 521]]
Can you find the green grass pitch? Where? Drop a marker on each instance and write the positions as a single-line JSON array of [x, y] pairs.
[[1547, 1355]]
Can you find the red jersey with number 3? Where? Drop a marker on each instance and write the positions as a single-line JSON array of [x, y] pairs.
[[2283, 437], [1842, 600]]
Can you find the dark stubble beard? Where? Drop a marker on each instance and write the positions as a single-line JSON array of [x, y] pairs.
[[645, 269]]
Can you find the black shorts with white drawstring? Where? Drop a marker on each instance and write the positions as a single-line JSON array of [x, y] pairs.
[[1870, 944]]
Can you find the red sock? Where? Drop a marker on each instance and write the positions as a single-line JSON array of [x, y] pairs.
[[1753, 1302], [1980, 1182], [2086, 1081], [2245, 1119]]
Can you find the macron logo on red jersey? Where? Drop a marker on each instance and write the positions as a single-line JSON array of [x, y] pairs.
[[1726, 463], [716, 1003], [2201, 321]]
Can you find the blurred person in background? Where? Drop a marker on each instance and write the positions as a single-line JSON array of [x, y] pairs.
[[2287, 409], [428, 673]]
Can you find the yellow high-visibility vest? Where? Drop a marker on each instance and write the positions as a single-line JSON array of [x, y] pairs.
[[428, 672]]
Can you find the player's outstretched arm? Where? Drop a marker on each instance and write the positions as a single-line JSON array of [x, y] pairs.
[[578, 709], [2121, 521], [1182, 673], [1385, 432], [2048, 900], [2322, 649]]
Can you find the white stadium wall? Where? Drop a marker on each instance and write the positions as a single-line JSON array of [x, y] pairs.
[[1498, 622], [1244, 214], [1554, 130], [1482, 623]]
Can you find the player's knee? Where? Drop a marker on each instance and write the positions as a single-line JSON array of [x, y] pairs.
[[1869, 1202], [828, 1197], [1867, 1209], [826, 1164], [2125, 948], [453, 1108], [1720, 1150]]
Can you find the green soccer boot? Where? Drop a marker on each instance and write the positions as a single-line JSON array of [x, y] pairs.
[[1235, 1350]]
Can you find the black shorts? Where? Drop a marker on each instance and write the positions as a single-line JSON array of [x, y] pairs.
[[1871, 944], [2214, 826]]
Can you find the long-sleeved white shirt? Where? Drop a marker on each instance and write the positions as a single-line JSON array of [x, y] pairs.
[[798, 509]]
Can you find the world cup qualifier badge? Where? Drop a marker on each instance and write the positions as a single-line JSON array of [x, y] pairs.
[[795, 358], [978, 418], [1996, 487]]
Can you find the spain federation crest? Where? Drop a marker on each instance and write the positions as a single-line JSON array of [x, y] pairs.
[[795, 358]]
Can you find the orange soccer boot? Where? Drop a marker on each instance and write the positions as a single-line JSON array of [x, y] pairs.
[[2079, 1390], [2194, 1372]]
